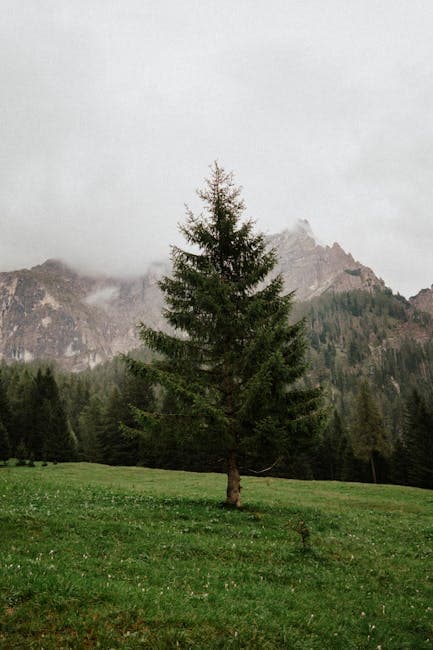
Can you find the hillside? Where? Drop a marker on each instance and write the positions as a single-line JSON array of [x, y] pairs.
[[375, 333], [127, 557], [380, 338]]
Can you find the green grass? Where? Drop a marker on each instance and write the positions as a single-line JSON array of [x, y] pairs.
[[93, 556]]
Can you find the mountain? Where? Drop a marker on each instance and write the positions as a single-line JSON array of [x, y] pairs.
[[53, 312], [423, 300], [312, 269]]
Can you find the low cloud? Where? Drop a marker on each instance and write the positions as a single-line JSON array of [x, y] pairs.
[[102, 296], [112, 113]]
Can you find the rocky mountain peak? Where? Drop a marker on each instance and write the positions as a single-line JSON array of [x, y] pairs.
[[311, 269], [52, 266], [300, 238], [423, 300], [52, 311]]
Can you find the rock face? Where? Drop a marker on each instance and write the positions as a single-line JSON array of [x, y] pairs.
[[423, 300], [53, 312], [311, 269]]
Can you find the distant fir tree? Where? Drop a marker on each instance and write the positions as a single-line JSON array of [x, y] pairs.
[[5, 407], [5, 448], [330, 450], [51, 427], [91, 427], [368, 432], [399, 463], [5, 423], [20, 393], [419, 442], [118, 442], [115, 447], [354, 468], [233, 369], [75, 392]]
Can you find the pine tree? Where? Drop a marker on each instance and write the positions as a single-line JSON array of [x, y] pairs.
[[75, 391], [22, 454], [51, 429], [399, 463], [233, 369], [330, 450], [115, 446], [368, 432], [37, 425], [20, 392], [5, 422], [419, 442], [91, 427], [5, 409], [5, 448]]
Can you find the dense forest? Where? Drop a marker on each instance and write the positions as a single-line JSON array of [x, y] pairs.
[[363, 349]]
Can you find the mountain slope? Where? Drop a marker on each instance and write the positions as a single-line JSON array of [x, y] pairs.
[[51, 311]]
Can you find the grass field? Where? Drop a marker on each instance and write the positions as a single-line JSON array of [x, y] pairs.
[[94, 556]]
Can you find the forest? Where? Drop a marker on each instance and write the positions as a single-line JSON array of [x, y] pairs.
[[377, 388]]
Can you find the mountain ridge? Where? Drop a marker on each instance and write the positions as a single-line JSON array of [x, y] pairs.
[[52, 311]]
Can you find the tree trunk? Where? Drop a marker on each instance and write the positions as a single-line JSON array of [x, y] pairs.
[[373, 468], [233, 482]]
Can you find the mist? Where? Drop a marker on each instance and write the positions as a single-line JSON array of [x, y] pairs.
[[112, 113]]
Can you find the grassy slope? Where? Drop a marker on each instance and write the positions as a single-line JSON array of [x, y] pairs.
[[145, 558]]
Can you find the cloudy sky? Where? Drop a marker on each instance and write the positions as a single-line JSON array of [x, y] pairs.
[[111, 112]]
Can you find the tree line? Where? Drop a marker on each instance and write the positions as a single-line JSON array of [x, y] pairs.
[[46, 414]]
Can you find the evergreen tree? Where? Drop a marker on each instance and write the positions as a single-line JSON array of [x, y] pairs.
[[399, 463], [22, 453], [419, 442], [38, 394], [330, 450], [114, 445], [5, 408], [234, 367], [20, 391], [91, 428], [5, 448], [51, 429], [353, 468], [173, 444], [368, 432], [75, 391], [5, 423]]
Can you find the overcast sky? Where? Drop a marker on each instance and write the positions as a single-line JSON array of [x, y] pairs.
[[112, 111]]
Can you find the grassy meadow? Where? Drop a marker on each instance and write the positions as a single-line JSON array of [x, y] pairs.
[[95, 556]]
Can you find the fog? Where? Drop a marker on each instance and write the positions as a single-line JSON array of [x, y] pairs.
[[112, 112]]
